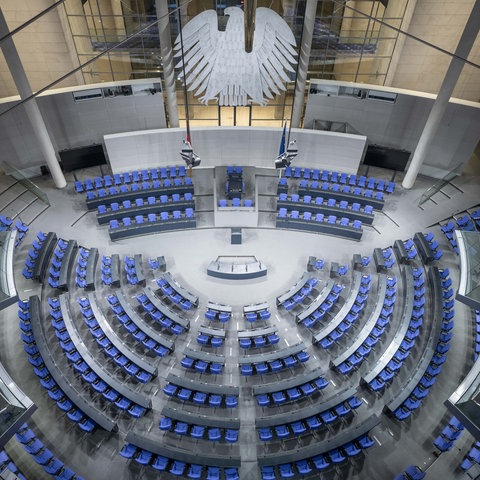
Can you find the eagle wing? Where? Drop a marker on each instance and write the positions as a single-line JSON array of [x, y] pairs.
[[200, 38], [273, 45]]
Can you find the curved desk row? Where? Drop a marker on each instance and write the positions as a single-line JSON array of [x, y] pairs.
[[107, 329], [142, 324], [342, 313], [362, 335], [122, 388], [204, 356], [93, 203], [381, 363], [152, 227], [193, 299], [76, 396], [292, 382], [255, 307], [376, 203], [321, 447], [335, 229], [44, 254], [213, 332], [161, 307], [91, 266], [308, 411], [275, 355], [365, 218], [423, 363], [195, 385], [197, 419], [317, 302], [218, 307], [294, 289], [159, 447], [104, 218], [67, 264], [257, 332], [423, 248], [8, 292]]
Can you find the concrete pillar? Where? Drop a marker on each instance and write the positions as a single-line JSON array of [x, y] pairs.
[[303, 59], [33, 112], [167, 62], [464, 46]]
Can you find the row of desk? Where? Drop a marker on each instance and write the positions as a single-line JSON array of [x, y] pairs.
[[204, 356], [309, 411], [294, 289], [142, 324], [76, 396], [335, 229], [94, 364], [67, 264], [158, 446], [292, 382], [342, 313], [151, 227], [93, 203], [433, 338], [144, 210], [381, 363], [121, 346], [164, 310], [339, 196], [270, 356], [362, 335], [197, 386], [314, 208], [8, 291], [317, 302], [195, 418], [320, 447], [44, 254], [193, 299]]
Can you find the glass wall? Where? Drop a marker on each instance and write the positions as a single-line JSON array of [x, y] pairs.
[[347, 45]]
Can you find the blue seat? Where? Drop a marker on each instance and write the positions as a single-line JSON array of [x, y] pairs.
[[177, 468], [265, 434]]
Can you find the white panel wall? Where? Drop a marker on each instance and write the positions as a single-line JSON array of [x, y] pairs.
[[399, 125], [75, 124], [247, 146]]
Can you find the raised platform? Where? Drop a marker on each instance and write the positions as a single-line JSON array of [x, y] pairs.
[[236, 267]]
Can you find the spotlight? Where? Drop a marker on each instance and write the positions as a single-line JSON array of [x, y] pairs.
[[285, 159], [187, 154]]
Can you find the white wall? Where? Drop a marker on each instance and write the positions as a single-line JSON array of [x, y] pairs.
[[74, 124], [399, 125], [247, 146]]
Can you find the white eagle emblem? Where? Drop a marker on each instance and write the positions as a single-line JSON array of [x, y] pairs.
[[217, 66]]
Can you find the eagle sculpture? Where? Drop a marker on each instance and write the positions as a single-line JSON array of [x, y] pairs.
[[218, 67]]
